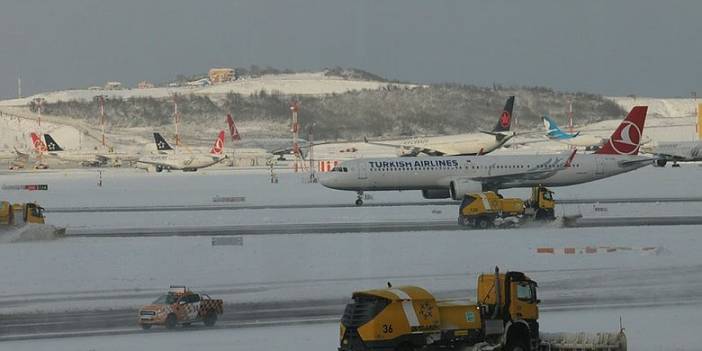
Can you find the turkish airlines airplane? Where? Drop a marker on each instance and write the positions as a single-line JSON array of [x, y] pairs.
[[459, 144], [452, 177], [168, 159]]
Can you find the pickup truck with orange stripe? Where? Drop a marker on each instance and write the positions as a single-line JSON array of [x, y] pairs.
[[180, 306]]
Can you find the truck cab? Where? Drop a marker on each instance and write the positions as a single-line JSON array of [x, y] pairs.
[[18, 214], [542, 203], [510, 309], [409, 318]]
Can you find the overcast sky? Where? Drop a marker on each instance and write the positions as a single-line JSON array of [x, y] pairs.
[[642, 47]]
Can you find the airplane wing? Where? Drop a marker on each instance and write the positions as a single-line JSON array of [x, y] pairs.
[[288, 150], [162, 164], [640, 161], [411, 151], [20, 154], [408, 150], [542, 171]]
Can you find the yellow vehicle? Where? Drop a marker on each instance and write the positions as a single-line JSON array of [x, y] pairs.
[[505, 317], [18, 214], [483, 210]]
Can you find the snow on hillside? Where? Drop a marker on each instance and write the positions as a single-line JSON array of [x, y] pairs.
[[661, 107], [315, 83]]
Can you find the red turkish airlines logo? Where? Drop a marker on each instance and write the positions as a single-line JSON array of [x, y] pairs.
[[38, 145], [218, 146], [504, 119], [628, 141]]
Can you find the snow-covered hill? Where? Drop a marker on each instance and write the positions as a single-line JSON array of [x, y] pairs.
[[316, 83], [661, 107]]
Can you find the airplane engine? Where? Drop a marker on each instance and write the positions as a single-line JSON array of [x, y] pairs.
[[436, 194], [460, 187]]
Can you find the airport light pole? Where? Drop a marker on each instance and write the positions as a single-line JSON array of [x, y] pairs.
[[310, 155], [40, 102], [101, 101], [176, 117], [295, 129]]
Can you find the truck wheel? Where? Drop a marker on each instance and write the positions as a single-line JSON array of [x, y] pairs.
[[482, 223], [517, 345], [210, 319], [405, 347], [464, 221], [171, 321], [146, 326]]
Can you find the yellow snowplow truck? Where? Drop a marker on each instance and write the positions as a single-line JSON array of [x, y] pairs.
[[489, 209], [505, 317], [19, 214]]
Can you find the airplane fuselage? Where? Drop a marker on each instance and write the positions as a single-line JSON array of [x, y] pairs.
[[459, 144], [181, 161], [427, 173]]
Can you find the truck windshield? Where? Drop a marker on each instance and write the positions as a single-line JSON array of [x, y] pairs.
[[525, 292], [166, 299], [362, 309]]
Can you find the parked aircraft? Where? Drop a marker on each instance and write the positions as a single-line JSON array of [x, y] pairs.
[[459, 144], [452, 177], [86, 158], [682, 151], [169, 159], [553, 132]]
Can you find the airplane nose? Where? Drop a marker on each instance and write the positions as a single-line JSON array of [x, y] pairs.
[[327, 179]]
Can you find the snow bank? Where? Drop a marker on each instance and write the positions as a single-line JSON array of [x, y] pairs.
[[29, 232]]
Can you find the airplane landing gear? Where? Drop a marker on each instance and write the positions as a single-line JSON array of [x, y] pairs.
[[359, 199], [675, 164]]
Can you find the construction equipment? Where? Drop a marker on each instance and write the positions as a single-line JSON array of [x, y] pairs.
[[504, 318], [180, 306], [19, 214], [489, 209]]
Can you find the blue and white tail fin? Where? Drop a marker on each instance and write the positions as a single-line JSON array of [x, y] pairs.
[[554, 132]]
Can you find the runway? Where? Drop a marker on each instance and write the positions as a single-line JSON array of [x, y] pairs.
[[362, 227], [229, 207], [625, 288]]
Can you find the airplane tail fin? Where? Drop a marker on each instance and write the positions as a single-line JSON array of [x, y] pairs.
[[218, 147], [232, 128], [553, 131], [504, 123], [550, 124], [161, 143], [39, 145], [51, 144], [626, 139]]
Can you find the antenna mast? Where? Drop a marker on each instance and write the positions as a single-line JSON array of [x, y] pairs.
[[295, 129]]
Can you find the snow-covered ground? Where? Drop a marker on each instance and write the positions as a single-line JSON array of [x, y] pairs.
[[661, 107], [646, 331], [88, 273]]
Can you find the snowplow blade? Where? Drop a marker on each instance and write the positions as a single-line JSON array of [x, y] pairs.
[[583, 341]]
